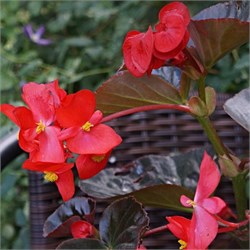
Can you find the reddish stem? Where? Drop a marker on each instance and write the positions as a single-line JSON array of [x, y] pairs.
[[146, 108], [156, 230], [231, 224]]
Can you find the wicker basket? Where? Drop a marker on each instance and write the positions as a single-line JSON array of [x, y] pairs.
[[153, 132]]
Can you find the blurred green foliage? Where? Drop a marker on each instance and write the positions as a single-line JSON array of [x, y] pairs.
[[87, 38], [14, 206]]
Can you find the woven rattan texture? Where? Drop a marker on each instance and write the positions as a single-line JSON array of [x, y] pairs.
[[153, 132]]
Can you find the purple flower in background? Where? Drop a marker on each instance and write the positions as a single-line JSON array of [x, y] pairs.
[[36, 37]]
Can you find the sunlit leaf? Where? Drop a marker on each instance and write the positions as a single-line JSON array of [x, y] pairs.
[[218, 30], [123, 91], [238, 108]]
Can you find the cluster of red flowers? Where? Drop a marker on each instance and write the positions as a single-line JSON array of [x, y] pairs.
[[55, 126], [144, 52]]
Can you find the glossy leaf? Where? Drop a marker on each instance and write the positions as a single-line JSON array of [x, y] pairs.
[[144, 177], [239, 109], [233, 9], [179, 169], [164, 196], [123, 91], [81, 244], [58, 223], [218, 30], [123, 223]]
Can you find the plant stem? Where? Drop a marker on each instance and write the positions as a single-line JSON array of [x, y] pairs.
[[212, 135], [156, 230], [146, 108], [239, 186], [201, 89], [239, 181]]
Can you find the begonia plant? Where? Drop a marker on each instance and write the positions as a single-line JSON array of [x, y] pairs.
[[60, 130]]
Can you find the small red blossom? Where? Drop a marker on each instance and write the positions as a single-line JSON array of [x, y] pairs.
[[144, 52], [90, 165], [83, 132], [180, 227], [38, 134], [138, 51], [171, 34], [60, 173], [203, 222], [82, 229]]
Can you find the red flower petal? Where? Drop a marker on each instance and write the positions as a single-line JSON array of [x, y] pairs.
[[175, 7], [8, 110], [155, 63], [81, 229], [208, 180], [170, 37], [50, 148], [40, 100], [88, 167], [137, 51], [174, 52], [58, 93], [99, 140], [47, 166], [185, 201], [76, 109], [179, 226], [25, 140], [25, 118], [203, 229], [66, 185], [213, 205]]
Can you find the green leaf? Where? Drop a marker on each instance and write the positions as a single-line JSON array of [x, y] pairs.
[[81, 244], [123, 91], [123, 223], [164, 196], [218, 30], [78, 41], [214, 38], [238, 108], [20, 218], [58, 223], [197, 106], [210, 99]]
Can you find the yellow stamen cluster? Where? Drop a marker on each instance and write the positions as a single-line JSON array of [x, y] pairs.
[[40, 127], [192, 203], [183, 244], [86, 127], [50, 176], [98, 158]]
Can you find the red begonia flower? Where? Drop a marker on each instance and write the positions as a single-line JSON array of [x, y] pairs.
[[60, 173], [180, 227], [175, 7], [203, 220], [137, 51], [81, 229], [171, 34], [90, 165], [83, 132], [43, 99], [37, 132]]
